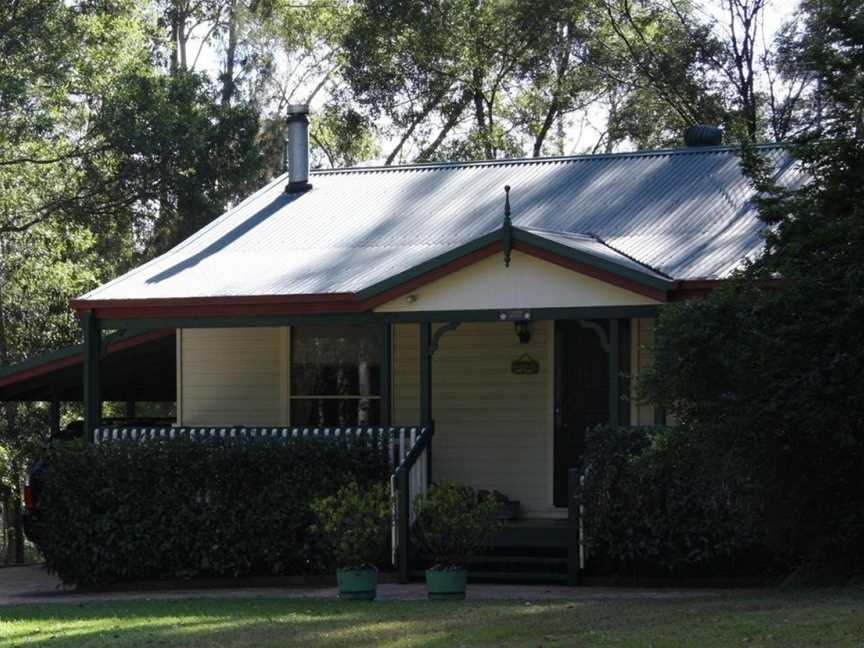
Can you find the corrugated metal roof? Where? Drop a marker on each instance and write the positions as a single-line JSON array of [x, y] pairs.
[[684, 214]]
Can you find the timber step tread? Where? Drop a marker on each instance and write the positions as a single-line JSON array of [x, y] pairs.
[[521, 560], [506, 576]]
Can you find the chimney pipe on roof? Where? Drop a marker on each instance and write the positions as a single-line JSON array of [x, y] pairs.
[[298, 149]]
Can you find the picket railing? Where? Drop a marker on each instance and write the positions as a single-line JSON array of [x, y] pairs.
[[123, 433], [410, 479]]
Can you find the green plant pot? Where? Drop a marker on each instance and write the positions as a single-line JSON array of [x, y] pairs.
[[357, 584], [446, 584]]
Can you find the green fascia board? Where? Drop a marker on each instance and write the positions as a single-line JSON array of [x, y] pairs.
[[359, 319], [429, 265], [45, 358], [64, 353], [648, 277]]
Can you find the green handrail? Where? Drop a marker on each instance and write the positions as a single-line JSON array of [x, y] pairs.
[[401, 477]]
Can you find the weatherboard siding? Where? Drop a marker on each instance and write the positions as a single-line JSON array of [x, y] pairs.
[[232, 376], [493, 429], [528, 283]]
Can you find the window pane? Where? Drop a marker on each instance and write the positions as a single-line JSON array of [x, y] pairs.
[[335, 412], [335, 361]]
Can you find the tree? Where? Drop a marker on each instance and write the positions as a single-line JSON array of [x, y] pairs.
[[776, 369], [469, 79], [180, 156]]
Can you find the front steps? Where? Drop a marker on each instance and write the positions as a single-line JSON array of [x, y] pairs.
[[525, 551]]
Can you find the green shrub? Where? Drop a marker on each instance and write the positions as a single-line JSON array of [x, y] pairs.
[[452, 523], [130, 510], [662, 495], [354, 524]]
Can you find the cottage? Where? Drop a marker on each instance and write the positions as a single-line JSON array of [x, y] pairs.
[[507, 305]]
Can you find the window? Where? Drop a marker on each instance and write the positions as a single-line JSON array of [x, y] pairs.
[[335, 376]]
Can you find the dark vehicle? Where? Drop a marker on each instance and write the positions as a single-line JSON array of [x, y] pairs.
[[38, 474], [36, 479]]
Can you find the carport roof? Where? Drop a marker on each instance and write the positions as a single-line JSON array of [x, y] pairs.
[[136, 366]]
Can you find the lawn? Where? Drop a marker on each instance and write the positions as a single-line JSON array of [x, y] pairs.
[[822, 618]]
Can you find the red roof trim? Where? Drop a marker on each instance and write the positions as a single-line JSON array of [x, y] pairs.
[[448, 268], [39, 370], [591, 271], [346, 303]]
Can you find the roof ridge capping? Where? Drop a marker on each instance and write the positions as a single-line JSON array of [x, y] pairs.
[[549, 159]]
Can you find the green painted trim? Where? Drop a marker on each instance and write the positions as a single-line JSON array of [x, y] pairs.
[[45, 358], [508, 233], [428, 265], [65, 352], [493, 315], [92, 374], [386, 373], [647, 277], [440, 332], [425, 373], [337, 319]]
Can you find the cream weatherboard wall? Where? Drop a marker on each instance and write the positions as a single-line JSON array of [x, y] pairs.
[[528, 283], [232, 376], [494, 429]]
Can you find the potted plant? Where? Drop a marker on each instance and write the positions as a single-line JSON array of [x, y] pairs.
[[354, 523], [507, 509], [452, 523]]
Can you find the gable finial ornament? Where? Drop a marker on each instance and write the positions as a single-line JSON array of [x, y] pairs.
[[507, 237]]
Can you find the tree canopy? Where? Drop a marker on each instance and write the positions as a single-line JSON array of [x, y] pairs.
[[126, 126]]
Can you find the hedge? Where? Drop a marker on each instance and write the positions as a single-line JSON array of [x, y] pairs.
[[165, 509], [664, 496]]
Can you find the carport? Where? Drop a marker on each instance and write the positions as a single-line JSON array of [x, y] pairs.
[[137, 366]]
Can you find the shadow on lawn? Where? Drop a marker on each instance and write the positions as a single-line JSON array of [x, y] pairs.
[[788, 620], [260, 623]]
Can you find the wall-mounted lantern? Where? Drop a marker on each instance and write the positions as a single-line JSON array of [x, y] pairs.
[[523, 331]]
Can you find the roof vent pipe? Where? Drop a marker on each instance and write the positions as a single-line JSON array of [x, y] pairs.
[[703, 135], [298, 148]]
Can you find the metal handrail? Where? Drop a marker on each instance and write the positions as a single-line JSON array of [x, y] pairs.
[[401, 482]]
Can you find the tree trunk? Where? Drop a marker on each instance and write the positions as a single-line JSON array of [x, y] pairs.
[[230, 55], [480, 112], [452, 120]]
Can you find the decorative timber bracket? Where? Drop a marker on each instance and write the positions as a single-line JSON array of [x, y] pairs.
[[507, 228], [439, 333], [594, 326]]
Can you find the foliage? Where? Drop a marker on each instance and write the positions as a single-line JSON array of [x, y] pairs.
[[182, 157], [452, 523], [659, 495], [354, 524], [160, 509], [772, 371]]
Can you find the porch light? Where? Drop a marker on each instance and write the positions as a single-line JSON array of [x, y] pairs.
[[523, 331]]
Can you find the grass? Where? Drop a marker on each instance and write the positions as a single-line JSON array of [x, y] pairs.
[[813, 618]]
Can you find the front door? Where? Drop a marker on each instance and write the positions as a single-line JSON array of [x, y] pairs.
[[581, 392]]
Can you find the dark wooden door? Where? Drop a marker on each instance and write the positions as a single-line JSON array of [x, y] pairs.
[[581, 393]]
